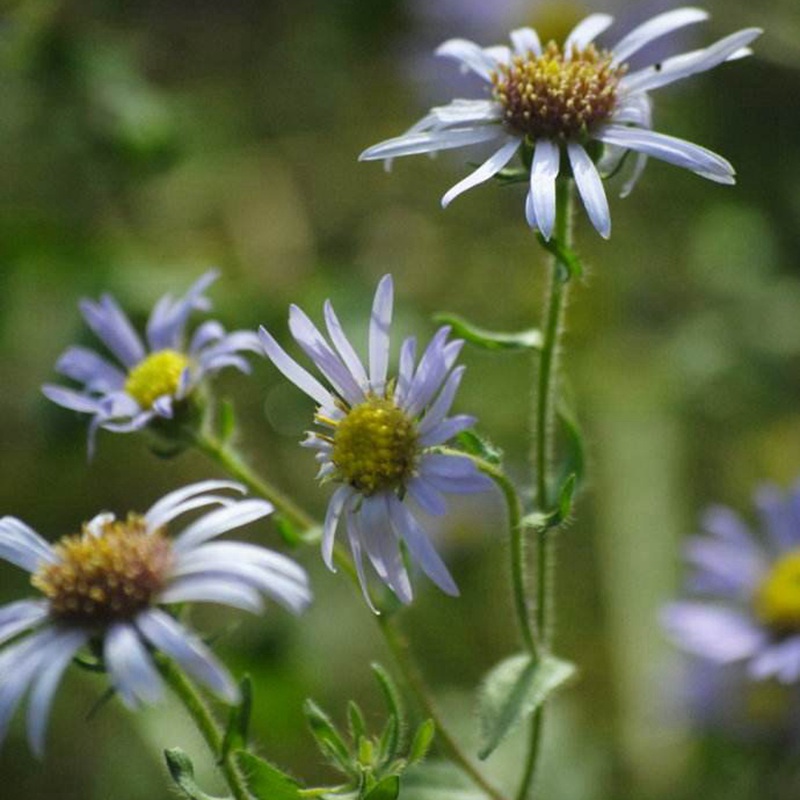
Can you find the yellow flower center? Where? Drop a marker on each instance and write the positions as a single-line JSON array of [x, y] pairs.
[[375, 446], [777, 599], [107, 575], [548, 96], [159, 374]]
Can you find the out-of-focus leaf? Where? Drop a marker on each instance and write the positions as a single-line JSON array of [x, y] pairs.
[[356, 722], [227, 421], [265, 781], [182, 771], [438, 780], [387, 789], [238, 727], [390, 692], [530, 339], [422, 741], [513, 690]]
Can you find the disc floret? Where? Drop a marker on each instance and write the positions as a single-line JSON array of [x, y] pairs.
[[157, 375], [375, 446], [109, 571], [777, 599], [553, 95]]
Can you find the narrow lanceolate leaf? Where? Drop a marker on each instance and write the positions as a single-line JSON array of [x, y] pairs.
[[512, 691], [422, 741], [543, 521], [387, 789], [328, 738], [265, 781], [238, 728], [567, 258], [477, 445], [389, 741], [392, 696], [356, 722], [575, 461], [530, 339], [181, 770]]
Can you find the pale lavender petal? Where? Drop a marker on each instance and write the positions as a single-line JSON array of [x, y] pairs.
[[781, 661], [222, 553], [682, 66], [354, 537], [590, 188], [405, 374], [486, 171], [15, 618], [724, 569], [465, 112], [113, 328], [379, 327], [714, 632], [447, 429], [45, 683], [166, 325], [221, 521], [169, 502], [429, 376], [420, 547], [326, 360], [668, 148], [212, 364], [162, 406], [585, 32], [525, 41], [441, 406], [375, 526], [27, 545], [431, 141], [158, 521], [87, 367], [426, 497], [722, 522], [210, 331], [530, 211], [343, 346], [544, 171], [778, 519], [334, 512], [227, 590], [293, 371], [69, 398], [655, 28], [471, 56], [175, 641], [130, 666]]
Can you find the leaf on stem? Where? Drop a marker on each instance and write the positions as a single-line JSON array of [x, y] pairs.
[[575, 463], [513, 690], [328, 738], [476, 445], [566, 257], [543, 521], [265, 781], [530, 339], [387, 789], [238, 728], [181, 770], [422, 741]]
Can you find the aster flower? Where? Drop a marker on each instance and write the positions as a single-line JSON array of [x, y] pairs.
[[574, 98], [104, 588], [378, 439], [156, 382], [747, 590]]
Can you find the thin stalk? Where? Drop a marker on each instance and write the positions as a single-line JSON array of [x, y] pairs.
[[203, 718], [542, 457], [227, 458], [232, 463], [399, 648]]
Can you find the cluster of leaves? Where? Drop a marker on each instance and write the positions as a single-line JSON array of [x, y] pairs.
[[371, 765]]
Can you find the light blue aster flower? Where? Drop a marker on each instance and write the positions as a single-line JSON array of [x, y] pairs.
[[378, 439], [747, 590], [105, 586], [155, 380], [555, 104]]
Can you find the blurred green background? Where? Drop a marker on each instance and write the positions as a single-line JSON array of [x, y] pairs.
[[141, 143]]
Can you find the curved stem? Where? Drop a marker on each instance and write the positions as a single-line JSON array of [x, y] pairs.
[[542, 455], [203, 718], [413, 678], [232, 463], [227, 458]]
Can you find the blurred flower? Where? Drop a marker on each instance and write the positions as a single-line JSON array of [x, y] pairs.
[[380, 437], [748, 609], [573, 97], [152, 387], [103, 588]]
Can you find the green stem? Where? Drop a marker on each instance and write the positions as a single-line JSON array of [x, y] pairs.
[[401, 653], [232, 463], [542, 456], [203, 718], [227, 458]]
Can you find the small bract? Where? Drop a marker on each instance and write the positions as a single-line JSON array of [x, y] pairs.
[[574, 98], [104, 587], [378, 439], [156, 383]]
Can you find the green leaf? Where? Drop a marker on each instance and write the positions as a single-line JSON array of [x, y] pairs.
[[390, 692], [530, 339], [356, 722], [476, 445], [265, 781], [389, 741], [422, 741], [227, 421], [289, 532], [238, 728], [182, 771], [387, 789], [513, 690], [328, 738], [438, 780], [566, 257], [576, 452], [543, 521]]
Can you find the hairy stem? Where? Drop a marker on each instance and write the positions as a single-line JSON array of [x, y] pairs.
[[203, 718]]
